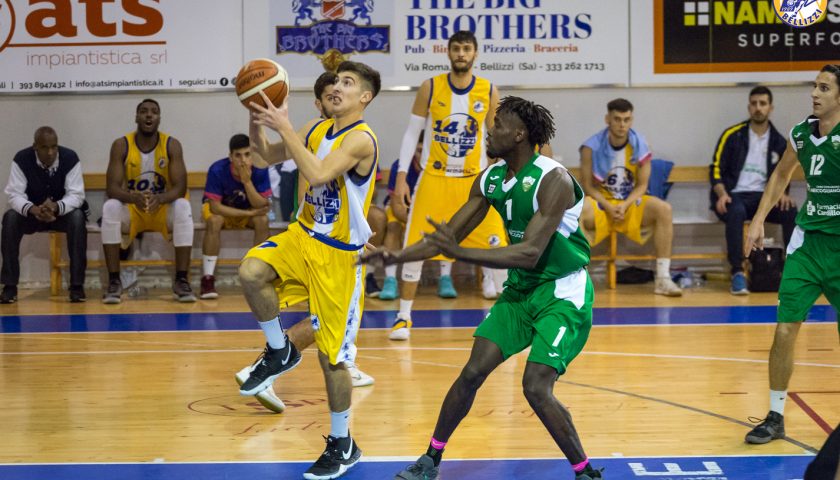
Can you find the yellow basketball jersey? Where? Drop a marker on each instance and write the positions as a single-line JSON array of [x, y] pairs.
[[336, 213], [147, 171], [622, 176], [454, 142]]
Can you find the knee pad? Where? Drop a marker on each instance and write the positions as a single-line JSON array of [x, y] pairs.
[[112, 211], [411, 271], [182, 223]]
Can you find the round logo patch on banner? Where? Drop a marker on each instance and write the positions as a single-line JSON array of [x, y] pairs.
[[800, 13]]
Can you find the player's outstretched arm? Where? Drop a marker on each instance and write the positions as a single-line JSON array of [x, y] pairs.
[[773, 191], [462, 223], [555, 196]]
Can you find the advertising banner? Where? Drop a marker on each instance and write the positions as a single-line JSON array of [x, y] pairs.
[[86, 46], [690, 41], [520, 42]]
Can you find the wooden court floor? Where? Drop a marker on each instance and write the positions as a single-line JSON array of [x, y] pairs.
[[646, 388]]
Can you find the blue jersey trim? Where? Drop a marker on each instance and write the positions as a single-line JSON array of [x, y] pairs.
[[431, 93], [329, 136], [330, 241], [461, 91], [358, 179], [309, 133]]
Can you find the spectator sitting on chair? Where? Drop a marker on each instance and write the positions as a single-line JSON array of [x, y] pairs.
[[614, 172], [236, 196], [146, 185], [744, 158], [46, 192]]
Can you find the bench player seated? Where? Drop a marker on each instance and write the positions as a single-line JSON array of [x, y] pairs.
[[236, 196], [146, 186]]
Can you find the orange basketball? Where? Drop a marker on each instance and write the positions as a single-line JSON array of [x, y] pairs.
[[264, 75]]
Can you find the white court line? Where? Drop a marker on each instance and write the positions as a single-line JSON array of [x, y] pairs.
[[408, 349], [704, 358]]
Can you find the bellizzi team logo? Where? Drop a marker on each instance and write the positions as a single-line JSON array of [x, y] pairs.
[[327, 202], [456, 134], [332, 30], [619, 182], [800, 13]]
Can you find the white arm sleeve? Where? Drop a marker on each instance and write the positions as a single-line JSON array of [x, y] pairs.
[[409, 142]]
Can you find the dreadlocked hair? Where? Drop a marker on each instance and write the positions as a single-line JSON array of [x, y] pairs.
[[537, 119]]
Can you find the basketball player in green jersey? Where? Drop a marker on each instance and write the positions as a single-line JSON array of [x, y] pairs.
[[547, 300], [814, 249]]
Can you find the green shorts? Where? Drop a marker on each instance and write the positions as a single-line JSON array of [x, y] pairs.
[[811, 268], [553, 319]]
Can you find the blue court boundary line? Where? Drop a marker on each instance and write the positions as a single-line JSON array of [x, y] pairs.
[[211, 321], [773, 467]]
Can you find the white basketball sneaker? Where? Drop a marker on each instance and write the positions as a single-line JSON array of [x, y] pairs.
[[359, 378], [267, 397], [401, 329]]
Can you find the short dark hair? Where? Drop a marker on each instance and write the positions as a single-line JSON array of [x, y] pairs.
[[240, 140], [835, 69], [147, 100], [326, 78], [463, 36], [45, 130], [537, 119], [367, 74], [762, 90], [620, 105]]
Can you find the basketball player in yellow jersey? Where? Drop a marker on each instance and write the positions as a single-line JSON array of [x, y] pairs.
[[317, 257], [454, 108], [146, 183]]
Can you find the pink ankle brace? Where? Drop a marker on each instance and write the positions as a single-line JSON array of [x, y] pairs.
[[580, 466]]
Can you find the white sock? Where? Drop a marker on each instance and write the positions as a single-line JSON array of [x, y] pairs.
[[405, 307], [487, 272], [339, 424], [274, 333], [777, 401], [208, 263], [663, 268], [391, 271], [445, 269]]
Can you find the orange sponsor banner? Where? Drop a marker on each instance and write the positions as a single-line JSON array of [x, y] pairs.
[[83, 45]]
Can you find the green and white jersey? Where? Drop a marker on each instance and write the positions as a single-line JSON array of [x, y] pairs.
[[820, 159], [516, 201]]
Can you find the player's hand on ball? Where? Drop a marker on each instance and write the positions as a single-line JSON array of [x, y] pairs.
[[275, 118]]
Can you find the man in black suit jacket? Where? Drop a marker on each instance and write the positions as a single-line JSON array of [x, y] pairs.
[[46, 192]]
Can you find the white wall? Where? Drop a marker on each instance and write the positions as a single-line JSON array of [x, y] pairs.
[[681, 124]]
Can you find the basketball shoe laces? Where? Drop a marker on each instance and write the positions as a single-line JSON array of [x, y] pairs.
[[262, 369], [332, 454]]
